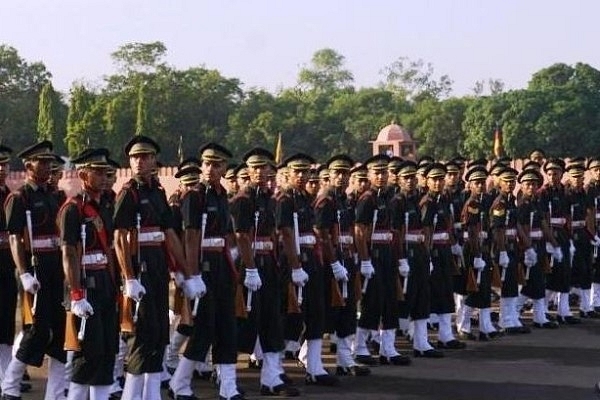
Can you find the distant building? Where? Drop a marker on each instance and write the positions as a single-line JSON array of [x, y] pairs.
[[394, 140]]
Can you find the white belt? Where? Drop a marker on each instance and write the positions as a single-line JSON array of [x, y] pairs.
[[94, 258], [482, 235], [265, 245], [578, 224], [213, 242], [558, 221], [46, 243], [309, 240], [153, 236], [457, 225], [597, 215], [414, 238], [537, 234], [440, 236], [510, 232], [382, 237], [346, 239]]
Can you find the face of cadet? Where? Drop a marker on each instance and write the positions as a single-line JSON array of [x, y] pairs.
[[142, 164], [507, 186], [408, 183], [94, 179], [596, 173], [529, 187], [40, 169], [436, 185], [339, 178], [378, 178], [478, 186], [297, 178], [4, 170], [554, 176], [312, 187], [452, 178], [258, 174], [212, 171]]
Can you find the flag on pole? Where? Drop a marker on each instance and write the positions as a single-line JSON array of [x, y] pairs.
[[180, 149], [498, 143], [279, 150]]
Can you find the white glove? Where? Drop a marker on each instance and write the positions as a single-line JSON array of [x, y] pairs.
[[82, 308], [478, 263], [30, 283], [299, 277], [549, 248], [234, 252], [571, 248], [456, 250], [178, 278], [503, 259], [252, 280], [134, 289], [403, 267], [366, 269], [200, 285], [192, 287], [430, 267], [596, 241], [558, 254], [530, 258], [339, 272]]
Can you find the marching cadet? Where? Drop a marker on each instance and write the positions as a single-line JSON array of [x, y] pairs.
[[295, 220], [31, 223], [144, 231], [207, 223], [57, 171], [503, 219], [414, 249], [554, 200], [437, 225], [582, 225], [593, 192], [323, 177], [393, 167], [312, 185], [253, 213], [475, 219], [85, 232], [374, 242], [242, 177], [421, 178], [334, 221], [538, 156], [231, 180], [533, 230], [8, 283]]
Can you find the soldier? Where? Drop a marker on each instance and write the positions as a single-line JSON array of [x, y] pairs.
[[58, 166], [533, 228], [31, 222], [295, 220], [242, 177], [475, 219], [253, 213], [504, 235], [421, 178], [553, 198], [144, 232], [85, 221], [538, 156], [207, 224], [393, 179], [312, 185], [593, 192], [8, 283]]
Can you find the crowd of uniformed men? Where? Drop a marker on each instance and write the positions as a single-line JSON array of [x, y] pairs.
[[275, 259]]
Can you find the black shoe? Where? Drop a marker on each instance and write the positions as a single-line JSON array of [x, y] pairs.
[[366, 360], [484, 337], [546, 325], [9, 397], [516, 330], [282, 390], [568, 320], [321, 380], [119, 394], [597, 309], [589, 314], [286, 379], [356, 370], [236, 397], [185, 397], [466, 336], [451, 345], [433, 353], [255, 364], [332, 348], [394, 360], [26, 387], [550, 317], [495, 334]]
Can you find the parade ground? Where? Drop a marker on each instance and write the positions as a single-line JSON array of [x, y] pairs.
[[561, 364]]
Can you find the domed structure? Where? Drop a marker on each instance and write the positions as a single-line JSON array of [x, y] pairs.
[[394, 140]]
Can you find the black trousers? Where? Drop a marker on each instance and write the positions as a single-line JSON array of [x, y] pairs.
[[342, 319], [510, 286], [535, 286], [418, 291], [8, 298], [93, 365], [441, 280]]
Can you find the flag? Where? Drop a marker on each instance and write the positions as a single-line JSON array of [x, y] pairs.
[[498, 145], [279, 150], [180, 149]]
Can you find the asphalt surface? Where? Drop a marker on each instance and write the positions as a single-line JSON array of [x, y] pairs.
[[561, 364]]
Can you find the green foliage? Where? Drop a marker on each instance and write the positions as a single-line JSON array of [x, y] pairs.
[[46, 115]]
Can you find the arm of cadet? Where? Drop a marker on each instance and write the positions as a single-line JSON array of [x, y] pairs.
[[361, 232], [72, 266], [123, 252], [324, 237], [176, 248], [289, 247], [244, 243], [17, 249], [191, 238]]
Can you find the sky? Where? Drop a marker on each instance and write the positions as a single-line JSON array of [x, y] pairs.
[[264, 43]]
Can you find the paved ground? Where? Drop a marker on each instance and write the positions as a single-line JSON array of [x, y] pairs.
[[560, 364]]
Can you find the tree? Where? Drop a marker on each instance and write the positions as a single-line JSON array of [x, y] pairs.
[[326, 72], [415, 79], [46, 114], [77, 137], [139, 57], [141, 124]]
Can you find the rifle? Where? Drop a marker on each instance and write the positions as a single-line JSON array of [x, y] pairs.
[[34, 259], [506, 221], [366, 282], [297, 245], [344, 283], [81, 333], [406, 220], [141, 264], [202, 232], [531, 216], [337, 297], [249, 294]]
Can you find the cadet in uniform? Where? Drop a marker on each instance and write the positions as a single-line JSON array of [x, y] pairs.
[[593, 192], [144, 231], [93, 290], [44, 330]]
